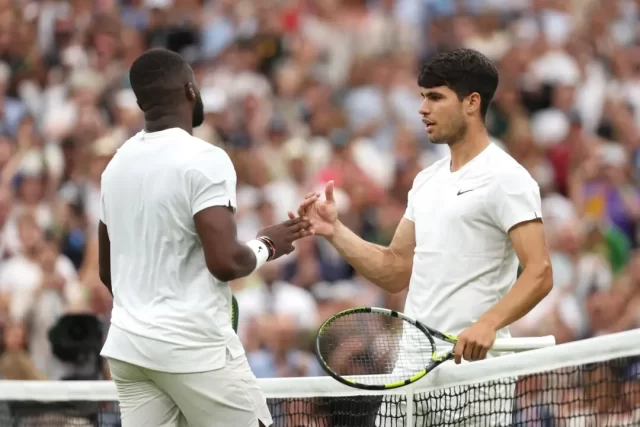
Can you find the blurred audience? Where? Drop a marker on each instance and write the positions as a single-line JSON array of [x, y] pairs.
[[300, 92]]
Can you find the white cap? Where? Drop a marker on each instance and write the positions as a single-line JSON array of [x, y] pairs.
[[549, 127], [558, 208], [557, 68], [295, 148], [107, 145], [613, 154], [86, 79], [158, 4], [126, 99], [214, 99], [32, 164]]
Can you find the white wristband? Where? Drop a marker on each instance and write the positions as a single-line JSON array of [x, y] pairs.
[[260, 250]]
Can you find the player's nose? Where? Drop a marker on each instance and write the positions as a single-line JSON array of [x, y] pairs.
[[424, 109]]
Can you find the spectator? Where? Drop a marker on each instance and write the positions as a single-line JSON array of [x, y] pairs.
[[15, 362], [300, 92]]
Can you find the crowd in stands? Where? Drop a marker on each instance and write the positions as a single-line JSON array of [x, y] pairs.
[[300, 92]]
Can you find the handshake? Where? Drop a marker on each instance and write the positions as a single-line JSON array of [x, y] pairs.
[[315, 217]]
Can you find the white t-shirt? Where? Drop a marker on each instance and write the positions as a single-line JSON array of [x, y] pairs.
[[169, 313], [464, 262]]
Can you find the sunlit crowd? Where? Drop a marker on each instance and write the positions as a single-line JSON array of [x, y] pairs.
[[300, 92]]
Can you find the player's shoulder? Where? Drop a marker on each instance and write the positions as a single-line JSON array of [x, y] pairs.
[[507, 174], [200, 154], [205, 162], [122, 155], [200, 147]]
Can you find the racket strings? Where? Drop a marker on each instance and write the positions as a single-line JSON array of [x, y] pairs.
[[374, 349]]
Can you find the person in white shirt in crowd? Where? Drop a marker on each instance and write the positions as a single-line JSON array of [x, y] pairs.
[[36, 288], [472, 218], [167, 249], [273, 314]]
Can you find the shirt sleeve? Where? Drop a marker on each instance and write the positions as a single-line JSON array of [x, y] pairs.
[[212, 181], [103, 214], [515, 199], [417, 182], [408, 213]]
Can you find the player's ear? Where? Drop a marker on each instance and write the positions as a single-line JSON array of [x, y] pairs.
[[473, 103], [190, 92]]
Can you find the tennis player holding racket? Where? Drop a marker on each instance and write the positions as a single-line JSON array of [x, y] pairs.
[[471, 218]]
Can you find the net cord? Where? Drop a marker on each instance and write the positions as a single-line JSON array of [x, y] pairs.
[[599, 349]]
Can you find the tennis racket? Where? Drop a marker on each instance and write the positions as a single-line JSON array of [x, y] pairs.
[[374, 348], [235, 312]]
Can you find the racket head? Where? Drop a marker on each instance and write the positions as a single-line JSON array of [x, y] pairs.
[[235, 313], [374, 348]]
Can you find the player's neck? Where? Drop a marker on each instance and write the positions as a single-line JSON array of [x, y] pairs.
[[465, 150], [168, 121]]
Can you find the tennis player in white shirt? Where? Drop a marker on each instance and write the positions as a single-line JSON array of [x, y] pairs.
[[167, 248], [471, 218]]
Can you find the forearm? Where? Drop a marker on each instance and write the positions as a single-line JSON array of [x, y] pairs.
[[104, 256], [241, 263], [628, 319], [378, 264], [532, 286]]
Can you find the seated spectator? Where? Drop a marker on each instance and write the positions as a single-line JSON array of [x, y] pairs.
[[40, 286], [15, 361]]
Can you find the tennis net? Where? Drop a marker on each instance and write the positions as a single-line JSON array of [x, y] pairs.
[[594, 382]]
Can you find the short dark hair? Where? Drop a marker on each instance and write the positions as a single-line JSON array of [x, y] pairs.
[[464, 71], [158, 78]]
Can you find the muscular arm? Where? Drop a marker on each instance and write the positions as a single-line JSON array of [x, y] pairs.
[[387, 267], [227, 258], [211, 180], [104, 256], [534, 283]]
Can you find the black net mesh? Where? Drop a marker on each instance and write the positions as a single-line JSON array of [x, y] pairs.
[[600, 394]]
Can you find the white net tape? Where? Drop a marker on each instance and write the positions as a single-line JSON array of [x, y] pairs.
[[316, 398], [593, 350]]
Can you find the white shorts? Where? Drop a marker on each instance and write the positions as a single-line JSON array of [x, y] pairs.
[[225, 397], [482, 405]]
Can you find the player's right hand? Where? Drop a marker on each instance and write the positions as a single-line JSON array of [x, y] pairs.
[[284, 234], [323, 215]]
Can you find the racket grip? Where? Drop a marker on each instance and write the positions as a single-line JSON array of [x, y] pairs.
[[522, 344]]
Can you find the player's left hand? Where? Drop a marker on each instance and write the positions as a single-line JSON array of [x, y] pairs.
[[474, 342]]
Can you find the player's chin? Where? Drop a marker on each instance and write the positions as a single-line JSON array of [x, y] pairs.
[[435, 139]]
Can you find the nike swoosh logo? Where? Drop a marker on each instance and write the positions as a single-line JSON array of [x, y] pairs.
[[462, 192]]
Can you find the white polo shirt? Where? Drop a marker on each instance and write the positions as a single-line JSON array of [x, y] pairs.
[[169, 313], [464, 262]]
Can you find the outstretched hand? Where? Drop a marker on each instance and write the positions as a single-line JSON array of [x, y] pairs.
[[284, 234], [323, 215]]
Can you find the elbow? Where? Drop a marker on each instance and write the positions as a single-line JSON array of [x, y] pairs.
[[225, 269], [546, 278], [105, 276], [227, 263], [398, 273], [224, 273]]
